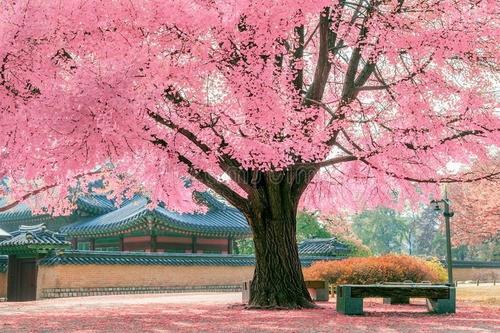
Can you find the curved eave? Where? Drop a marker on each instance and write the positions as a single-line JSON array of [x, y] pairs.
[[32, 248], [152, 220]]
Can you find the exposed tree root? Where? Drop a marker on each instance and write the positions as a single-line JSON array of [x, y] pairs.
[[304, 305]]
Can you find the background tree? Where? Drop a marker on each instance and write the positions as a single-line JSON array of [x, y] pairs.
[[382, 230], [429, 226], [309, 227], [260, 102], [477, 212]]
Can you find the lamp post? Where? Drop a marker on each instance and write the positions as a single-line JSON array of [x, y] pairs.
[[447, 215]]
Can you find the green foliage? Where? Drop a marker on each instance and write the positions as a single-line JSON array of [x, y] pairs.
[[243, 246], [309, 227], [357, 249], [382, 230], [435, 265]]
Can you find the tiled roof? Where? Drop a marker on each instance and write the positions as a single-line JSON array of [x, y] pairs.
[[95, 203], [92, 203], [31, 238], [18, 212], [74, 257], [220, 220], [323, 247], [4, 234], [3, 263], [473, 264]]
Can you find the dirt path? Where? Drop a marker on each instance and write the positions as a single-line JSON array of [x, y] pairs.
[[114, 301], [217, 312]]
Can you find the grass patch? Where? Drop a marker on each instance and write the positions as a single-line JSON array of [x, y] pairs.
[[484, 295]]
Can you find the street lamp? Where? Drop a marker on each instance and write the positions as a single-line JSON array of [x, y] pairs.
[[447, 214]]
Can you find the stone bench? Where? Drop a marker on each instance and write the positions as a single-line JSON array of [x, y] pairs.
[[440, 298], [317, 289]]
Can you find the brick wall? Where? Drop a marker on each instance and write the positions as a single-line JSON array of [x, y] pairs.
[[82, 280], [3, 285], [466, 273]]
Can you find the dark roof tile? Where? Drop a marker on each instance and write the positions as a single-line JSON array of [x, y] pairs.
[[323, 247], [74, 257], [34, 235], [219, 220]]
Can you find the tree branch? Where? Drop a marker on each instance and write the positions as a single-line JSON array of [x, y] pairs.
[[43, 189], [323, 65], [210, 181]]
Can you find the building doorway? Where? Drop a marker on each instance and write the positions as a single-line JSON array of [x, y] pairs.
[[22, 276]]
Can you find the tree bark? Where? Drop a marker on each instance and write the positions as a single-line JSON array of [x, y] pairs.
[[278, 281]]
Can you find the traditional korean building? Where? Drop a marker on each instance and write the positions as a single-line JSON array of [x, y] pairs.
[[328, 247], [97, 224], [42, 265], [28, 245], [100, 249]]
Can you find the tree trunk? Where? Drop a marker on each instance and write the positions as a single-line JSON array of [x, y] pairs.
[[278, 281]]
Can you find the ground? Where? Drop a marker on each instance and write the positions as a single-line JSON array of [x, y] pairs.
[[478, 310]]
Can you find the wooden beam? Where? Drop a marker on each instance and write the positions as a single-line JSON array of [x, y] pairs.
[[193, 245], [441, 292], [154, 243]]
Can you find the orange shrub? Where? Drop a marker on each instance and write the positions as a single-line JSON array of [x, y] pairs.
[[385, 268]]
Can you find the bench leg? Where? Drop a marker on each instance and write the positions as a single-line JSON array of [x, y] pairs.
[[245, 291], [322, 294], [443, 305], [346, 304], [397, 300]]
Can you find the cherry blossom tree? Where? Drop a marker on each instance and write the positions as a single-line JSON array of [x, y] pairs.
[[477, 211], [271, 104]]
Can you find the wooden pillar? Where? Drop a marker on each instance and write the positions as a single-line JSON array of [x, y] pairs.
[[75, 243], [230, 245], [92, 244], [193, 245], [154, 243], [121, 245], [13, 279]]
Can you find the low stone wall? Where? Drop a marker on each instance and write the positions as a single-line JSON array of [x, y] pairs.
[[464, 270], [79, 292], [88, 280], [87, 273], [473, 273]]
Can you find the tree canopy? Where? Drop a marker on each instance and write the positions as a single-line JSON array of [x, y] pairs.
[[260, 101], [387, 91]]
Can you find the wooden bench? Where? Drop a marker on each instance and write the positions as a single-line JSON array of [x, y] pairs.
[[440, 298], [317, 289]]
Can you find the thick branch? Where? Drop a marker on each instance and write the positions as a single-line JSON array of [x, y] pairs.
[[43, 189], [453, 137], [210, 181], [298, 55], [328, 162], [188, 134], [323, 65]]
